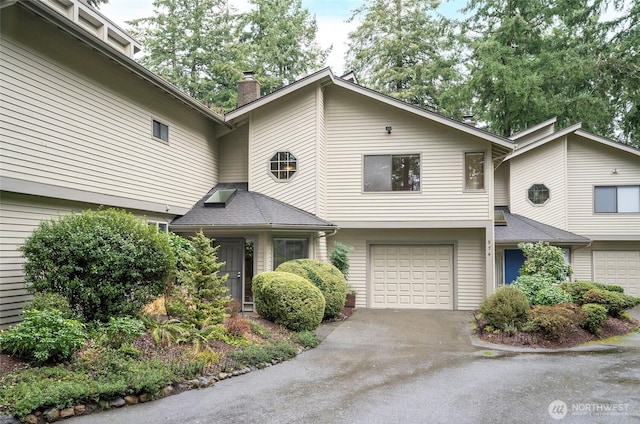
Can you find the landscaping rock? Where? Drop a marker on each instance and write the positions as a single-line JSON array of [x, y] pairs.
[[145, 397], [117, 403], [67, 412], [52, 415], [167, 391], [205, 382], [131, 400], [223, 376], [30, 419], [91, 408], [80, 409]]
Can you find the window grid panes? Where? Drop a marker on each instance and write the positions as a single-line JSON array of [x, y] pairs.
[[392, 172], [474, 171], [616, 199], [160, 130], [283, 165], [287, 249], [538, 194]]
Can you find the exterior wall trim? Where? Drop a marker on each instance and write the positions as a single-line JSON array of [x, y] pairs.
[[16, 185], [415, 224]]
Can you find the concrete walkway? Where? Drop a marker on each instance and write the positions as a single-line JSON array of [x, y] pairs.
[[385, 366]]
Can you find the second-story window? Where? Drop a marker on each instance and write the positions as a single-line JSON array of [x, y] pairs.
[[474, 171], [392, 172], [538, 194], [616, 199], [160, 130], [283, 165]]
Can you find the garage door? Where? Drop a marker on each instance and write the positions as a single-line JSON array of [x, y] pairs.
[[618, 267], [412, 276]]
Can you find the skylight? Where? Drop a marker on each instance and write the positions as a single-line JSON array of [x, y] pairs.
[[499, 218], [220, 198]]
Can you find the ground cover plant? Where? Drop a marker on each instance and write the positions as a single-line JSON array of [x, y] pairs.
[[63, 356]]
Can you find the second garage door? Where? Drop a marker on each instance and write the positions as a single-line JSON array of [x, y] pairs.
[[412, 276], [618, 267]]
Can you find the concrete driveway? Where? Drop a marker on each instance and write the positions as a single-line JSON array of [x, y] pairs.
[[385, 366]]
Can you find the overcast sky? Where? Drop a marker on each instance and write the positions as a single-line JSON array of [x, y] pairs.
[[331, 16]]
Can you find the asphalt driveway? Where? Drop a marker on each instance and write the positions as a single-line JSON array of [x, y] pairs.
[[386, 366]]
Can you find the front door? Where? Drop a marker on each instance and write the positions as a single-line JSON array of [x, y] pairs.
[[231, 252], [513, 261]]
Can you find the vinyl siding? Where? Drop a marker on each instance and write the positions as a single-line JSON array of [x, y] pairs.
[[19, 216], [356, 127], [582, 259], [75, 119], [469, 260], [286, 125], [544, 165], [234, 154], [501, 185], [321, 156], [590, 164]]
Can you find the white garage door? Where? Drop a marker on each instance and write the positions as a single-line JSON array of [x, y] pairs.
[[412, 276], [618, 267]]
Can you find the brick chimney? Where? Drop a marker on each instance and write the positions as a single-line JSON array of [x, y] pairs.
[[248, 89]]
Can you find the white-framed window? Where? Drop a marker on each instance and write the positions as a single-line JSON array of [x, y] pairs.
[[289, 248], [160, 130], [283, 166], [538, 194], [474, 170], [616, 199], [163, 227], [392, 172]]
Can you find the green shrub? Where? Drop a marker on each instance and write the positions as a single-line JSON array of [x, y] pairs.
[[43, 336], [105, 263], [307, 339], [531, 285], [615, 302], [259, 329], [326, 277], [201, 297], [544, 260], [595, 317], [553, 322], [340, 257], [289, 300], [120, 331], [257, 355], [577, 290], [609, 287], [552, 296], [507, 306], [49, 301]]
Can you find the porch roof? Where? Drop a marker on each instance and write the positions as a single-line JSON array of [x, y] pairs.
[[249, 210], [522, 229]]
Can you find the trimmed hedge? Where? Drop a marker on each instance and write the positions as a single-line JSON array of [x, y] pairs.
[[326, 277], [595, 317], [288, 299], [505, 307], [615, 302], [553, 322], [578, 289]]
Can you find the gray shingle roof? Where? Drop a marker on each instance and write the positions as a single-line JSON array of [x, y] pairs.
[[250, 209], [522, 229]]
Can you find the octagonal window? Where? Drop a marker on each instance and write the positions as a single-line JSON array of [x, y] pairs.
[[283, 165], [538, 194]]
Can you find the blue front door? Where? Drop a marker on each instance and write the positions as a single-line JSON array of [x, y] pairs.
[[513, 261]]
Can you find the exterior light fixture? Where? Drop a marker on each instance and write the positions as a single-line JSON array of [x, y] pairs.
[[614, 171], [388, 129]]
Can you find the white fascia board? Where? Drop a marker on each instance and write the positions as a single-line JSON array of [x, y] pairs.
[[544, 140], [608, 142], [536, 127], [284, 91]]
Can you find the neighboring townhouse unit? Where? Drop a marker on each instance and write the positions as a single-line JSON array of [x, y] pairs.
[[83, 125], [433, 207], [575, 190]]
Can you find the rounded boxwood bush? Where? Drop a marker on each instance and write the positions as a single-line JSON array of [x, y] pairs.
[[577, 290], [507, 306], [615, 302], [105, 263], [595, 317], [288, 299], [554, 322], [326, 277]]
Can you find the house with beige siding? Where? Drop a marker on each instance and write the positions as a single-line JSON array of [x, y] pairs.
[[433, 207]]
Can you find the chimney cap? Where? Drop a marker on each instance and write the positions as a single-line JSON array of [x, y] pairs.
[[248, 75]]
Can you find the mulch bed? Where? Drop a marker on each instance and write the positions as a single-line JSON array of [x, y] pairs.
[[613, 327]]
